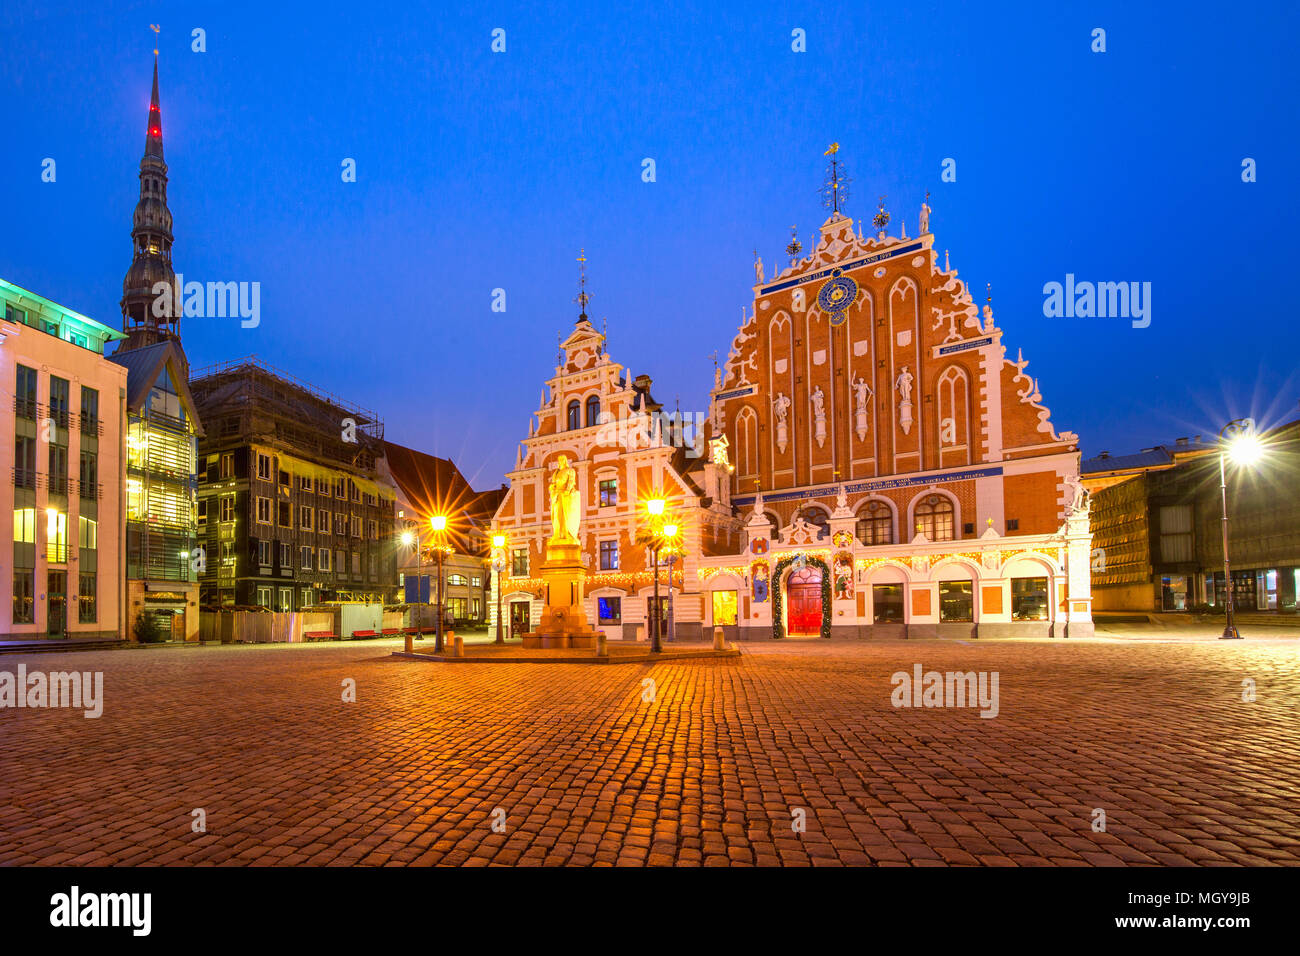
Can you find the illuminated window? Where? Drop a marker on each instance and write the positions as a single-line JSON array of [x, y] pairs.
[[609, 555], [1029, 599], [227, 507], [956, 601], [724, 608], [609, 610], [456, 580], [608, 492], [25, 525], [56, 536], [86, 588], [519, 563], [87, 533], [935, 518], [24, 608]]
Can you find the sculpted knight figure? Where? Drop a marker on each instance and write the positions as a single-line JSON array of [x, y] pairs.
[[564, 502]]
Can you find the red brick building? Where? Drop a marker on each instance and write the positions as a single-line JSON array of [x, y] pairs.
[[896, 469]]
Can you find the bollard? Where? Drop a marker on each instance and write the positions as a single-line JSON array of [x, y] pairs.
[[457, 646], [719, 639], [410, 643], [601, 649]]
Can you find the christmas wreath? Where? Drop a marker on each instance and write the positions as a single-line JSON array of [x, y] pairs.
[[778, 597]]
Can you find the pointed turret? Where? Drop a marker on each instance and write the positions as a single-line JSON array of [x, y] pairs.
[[149, 317]]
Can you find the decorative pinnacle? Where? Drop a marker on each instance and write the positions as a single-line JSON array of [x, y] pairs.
[[795, 246], [881, 218], [583, 296], [835, 190]]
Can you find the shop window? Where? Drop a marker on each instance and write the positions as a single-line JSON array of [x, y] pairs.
[[1029, 599], [1173, 592], [956, 601], [724, 608], [887, 603], [609, 610]]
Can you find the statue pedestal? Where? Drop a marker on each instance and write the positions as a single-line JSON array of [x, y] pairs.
[[564, 621]]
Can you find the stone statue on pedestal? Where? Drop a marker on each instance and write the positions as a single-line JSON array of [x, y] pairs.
[[565, 506]]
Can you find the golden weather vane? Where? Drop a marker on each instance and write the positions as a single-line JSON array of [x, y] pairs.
[[157, 29]]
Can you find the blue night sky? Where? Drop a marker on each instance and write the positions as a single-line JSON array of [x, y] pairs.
[[479, 170]]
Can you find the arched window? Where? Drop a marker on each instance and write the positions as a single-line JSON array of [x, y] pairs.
[[875, 523], [456, 580], [593, 411], [935, 518], [819, 518], [575, 414]]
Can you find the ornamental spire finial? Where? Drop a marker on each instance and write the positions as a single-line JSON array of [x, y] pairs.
[[583, 296], [836, 187]]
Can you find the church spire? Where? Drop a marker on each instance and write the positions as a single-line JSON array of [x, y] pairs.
[[151, 238], [583, 296]]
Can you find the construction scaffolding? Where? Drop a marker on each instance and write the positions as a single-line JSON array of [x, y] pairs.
[[257, 402]]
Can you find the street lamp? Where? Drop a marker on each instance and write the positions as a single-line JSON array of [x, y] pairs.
[[499, 565], [439, 525], [659, 531], [1239, 441], [412, 538]]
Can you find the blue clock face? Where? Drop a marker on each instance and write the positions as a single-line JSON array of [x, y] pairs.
[[836, 296]]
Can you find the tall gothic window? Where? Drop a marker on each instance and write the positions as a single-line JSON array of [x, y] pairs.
[[593, 410], [575, 415], [875, 524], [935, 518]]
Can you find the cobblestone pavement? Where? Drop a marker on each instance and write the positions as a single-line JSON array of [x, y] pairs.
[[712, 771]]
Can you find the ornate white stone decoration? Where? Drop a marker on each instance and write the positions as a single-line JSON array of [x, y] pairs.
[[904, 385], [781, 405], [818, 399], [800, 531], [990, 560], [718, 452], [862, 393]]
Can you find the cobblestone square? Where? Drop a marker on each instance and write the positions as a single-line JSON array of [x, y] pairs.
[[713, 765]]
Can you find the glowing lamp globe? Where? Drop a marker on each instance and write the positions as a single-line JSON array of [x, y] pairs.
[[1245, 449], [438, 522], [655, 506]]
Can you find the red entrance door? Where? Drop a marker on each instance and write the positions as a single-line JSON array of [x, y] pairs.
[[803, 601]]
